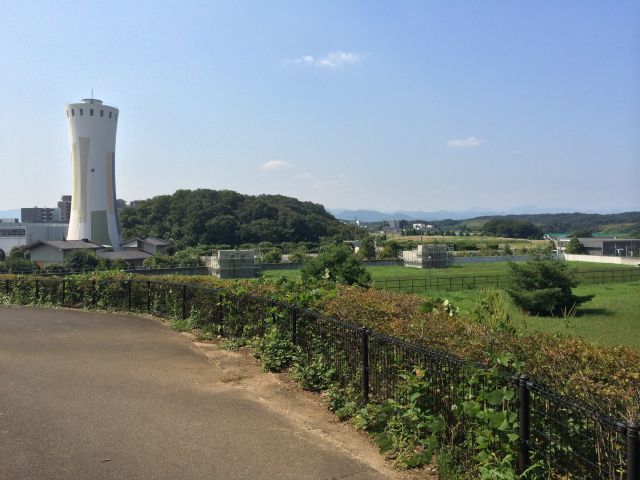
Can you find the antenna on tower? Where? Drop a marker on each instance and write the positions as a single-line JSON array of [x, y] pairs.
[[92, 94]]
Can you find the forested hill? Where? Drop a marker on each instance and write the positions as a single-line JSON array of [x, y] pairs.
[[192, 217], [572, 222]]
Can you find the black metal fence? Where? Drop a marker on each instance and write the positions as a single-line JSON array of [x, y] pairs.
[[563, 437], [416, 285]]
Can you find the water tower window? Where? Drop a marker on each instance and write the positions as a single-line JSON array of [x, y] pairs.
[[116, 117], [81, 112], [73, 112], [102, 113], [109, 114], [91, 112]]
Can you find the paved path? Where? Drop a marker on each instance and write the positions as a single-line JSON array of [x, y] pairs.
[[102, 396]]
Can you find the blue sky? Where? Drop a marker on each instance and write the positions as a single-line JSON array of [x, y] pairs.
[[382, 105]]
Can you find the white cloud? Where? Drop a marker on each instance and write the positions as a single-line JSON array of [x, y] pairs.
[[337, 59], [469, 142], [304, 175], [304, 60], [274, 165]]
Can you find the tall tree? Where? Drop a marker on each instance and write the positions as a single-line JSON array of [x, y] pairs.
[[574, 246]]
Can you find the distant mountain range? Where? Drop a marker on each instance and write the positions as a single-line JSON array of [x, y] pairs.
[[608, 223], [10, 213], [375, 216]]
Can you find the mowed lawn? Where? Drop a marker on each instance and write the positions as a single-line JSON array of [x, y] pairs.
[[468, 269], [612, 318]]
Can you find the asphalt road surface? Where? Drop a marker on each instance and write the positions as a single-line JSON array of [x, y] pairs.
[[104, 396]]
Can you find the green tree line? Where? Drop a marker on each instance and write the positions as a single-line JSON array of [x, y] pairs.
[[505, 227]]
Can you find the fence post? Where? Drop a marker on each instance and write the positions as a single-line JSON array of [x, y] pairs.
[[148, 296], [294, 323], [63, 288], [221, 311], [37, 291], [6, 286], [633, 461], [129, 295], [184, 301], [365, 363], [525, 417]]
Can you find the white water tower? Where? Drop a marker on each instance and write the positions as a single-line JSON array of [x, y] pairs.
[[92, 135]]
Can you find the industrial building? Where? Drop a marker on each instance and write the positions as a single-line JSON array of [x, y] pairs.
[[16, 234], [92, 136], [607, 246]]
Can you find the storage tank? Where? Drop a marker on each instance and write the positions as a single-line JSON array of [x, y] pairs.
[[92, 136]]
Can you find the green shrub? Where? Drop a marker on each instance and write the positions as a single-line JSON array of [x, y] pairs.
[[272, 256], [543, 286], [317, 375], [337, 263], [81, 260], [18, 264], [299, 255], [343, 401], [407, 431], [275, 350], [180, 325]]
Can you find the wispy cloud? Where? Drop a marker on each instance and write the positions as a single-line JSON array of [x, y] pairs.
[[469, 142], [274, 165], [334, 60]]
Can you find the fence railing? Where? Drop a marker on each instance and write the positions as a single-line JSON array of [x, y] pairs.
[[416, 285], [564, 437]]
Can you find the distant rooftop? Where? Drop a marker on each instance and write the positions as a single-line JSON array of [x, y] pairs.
[[125, 255], [149, 240], [66, 244]]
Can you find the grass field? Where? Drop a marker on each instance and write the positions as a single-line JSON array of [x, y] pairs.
[[611, 318], [468, 269], [478, 239]]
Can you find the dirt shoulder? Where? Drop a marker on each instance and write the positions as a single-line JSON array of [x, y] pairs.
[[280, 394]]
